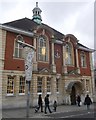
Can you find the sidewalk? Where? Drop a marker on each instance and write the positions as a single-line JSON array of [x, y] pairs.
[[21, 113]]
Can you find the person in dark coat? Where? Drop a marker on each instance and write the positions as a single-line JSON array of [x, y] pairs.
[[78, 100], [55, 105], [47, 104], [87, 101], [40, 104]]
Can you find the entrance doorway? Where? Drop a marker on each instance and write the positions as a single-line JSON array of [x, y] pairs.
[[73, 96]]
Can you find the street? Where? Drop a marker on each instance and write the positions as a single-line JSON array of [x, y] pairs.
[[63, 111], [74, 114]]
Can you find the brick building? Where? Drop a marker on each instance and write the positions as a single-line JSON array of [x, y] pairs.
[[63, 72]]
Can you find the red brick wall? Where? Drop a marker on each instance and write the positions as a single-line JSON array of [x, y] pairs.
[[12, 63], [58, 61], [85, 71]]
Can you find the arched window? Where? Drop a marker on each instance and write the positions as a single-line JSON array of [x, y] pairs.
[[69, 54], [83, 59], [18, 49], [42, 48]]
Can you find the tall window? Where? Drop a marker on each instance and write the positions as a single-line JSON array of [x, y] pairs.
[[48, 84], [22, 85], [42, 44], [19, 53], [57, 85], [83, 59], [39, 84], [69, 58], [10, 85]]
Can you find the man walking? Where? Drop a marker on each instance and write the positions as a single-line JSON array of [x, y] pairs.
[[87, 101], [40, 104], [78, 100], [47, 104]]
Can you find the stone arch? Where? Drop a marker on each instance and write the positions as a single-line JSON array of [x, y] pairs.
[[74, 88]]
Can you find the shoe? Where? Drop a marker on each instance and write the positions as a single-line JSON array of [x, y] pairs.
[[45, 112], [41, 111], [50, 112]]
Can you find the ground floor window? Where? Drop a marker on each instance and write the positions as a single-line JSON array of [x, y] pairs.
[[10, 85], [22, 85], [48, 84], [39, 84]]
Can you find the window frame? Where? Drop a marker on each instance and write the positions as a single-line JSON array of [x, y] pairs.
[[48, 83], [22, 80], [18, 49], [83, 59], [11, 85], [69, 54], [42, 42], [39, 84]]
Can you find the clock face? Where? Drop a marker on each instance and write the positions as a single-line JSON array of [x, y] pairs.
[[57, 54]]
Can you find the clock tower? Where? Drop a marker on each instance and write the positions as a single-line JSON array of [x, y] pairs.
[[37, 14]]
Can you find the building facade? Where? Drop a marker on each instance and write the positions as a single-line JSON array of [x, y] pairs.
[[64, 71]]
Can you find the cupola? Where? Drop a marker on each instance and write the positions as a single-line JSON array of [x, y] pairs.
[[37, 14]]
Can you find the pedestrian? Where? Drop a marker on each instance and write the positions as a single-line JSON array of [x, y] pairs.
[[78, 100], [40, 104], [87, 101], [55, 105], [47, 104]]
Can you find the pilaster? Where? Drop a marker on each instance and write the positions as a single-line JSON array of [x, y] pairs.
[[77, 61], [34, 59], [64, 68], [53, 66]]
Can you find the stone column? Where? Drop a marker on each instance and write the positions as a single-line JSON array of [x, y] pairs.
[[92, 81], [33, 98], [53, 66], [64, 69], [77, 61], [34, 59], [53, 87]]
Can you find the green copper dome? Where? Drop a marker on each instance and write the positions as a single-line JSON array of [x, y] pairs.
[[37, 14]]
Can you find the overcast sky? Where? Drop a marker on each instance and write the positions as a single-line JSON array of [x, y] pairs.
[[69, 17]]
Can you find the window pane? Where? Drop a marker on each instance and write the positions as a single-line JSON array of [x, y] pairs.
[[42, 44], [39, 84], [22, 85], [10, 85]]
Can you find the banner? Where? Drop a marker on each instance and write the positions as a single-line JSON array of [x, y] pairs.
[[29, 54]]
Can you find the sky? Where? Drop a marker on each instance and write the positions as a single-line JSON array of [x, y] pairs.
[[66, 16]]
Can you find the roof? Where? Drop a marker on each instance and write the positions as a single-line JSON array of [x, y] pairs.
[[28, 25]]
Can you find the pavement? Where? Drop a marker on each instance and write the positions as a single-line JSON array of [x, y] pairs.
[[21, 112]]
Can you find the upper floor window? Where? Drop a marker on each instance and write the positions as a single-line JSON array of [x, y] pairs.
[[83, 59], [18, 49], [42, 48], [10, 85], [69, 53]]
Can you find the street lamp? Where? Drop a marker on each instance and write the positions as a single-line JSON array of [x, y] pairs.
[[28, 68]]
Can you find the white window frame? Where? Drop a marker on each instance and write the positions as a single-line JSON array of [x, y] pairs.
[[48, 85], [10, 84], [57, 85], [39, 84], [43, 43], [23, 83], [69, 54], [18, 48], [83, 59]]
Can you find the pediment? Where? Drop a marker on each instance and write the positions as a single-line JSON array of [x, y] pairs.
[[44, 70]]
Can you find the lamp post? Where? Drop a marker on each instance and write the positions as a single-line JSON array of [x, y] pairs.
[[28, 69]]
